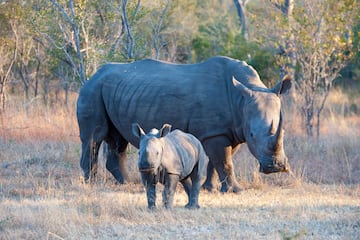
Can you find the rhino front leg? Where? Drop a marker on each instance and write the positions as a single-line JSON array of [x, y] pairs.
[[171, 181], [219, 151], [116, 159], [149, 181], [113, 164]]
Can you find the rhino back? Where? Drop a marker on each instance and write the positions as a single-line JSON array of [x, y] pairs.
[[181, 153], [192, 98]]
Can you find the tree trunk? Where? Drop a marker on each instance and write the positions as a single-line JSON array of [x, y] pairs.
[[288, 50], [129, 37], [81, 69], [156, 38], [4, 78], [241, 11]]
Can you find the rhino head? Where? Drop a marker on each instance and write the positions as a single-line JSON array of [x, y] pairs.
[[150, 146], [262, 125]]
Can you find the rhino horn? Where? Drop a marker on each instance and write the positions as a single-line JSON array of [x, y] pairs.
[[278, 136], [272, 128]]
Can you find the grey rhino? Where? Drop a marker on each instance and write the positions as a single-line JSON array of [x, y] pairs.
[[221, 101], [170, 157]]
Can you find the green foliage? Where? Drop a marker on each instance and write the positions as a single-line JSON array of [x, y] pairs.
[[221, 40]]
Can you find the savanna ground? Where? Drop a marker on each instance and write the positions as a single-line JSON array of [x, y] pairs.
[[42, 196]]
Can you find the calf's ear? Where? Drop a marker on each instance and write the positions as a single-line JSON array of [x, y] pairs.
[[283, 86], [166, 128], [137, 130]]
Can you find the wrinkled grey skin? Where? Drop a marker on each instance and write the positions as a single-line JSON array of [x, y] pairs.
[[170, 157], [221, 101]]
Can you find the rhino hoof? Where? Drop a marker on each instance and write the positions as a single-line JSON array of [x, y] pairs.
[[209, 188], [236, 189], [192, 206], [152, 208]]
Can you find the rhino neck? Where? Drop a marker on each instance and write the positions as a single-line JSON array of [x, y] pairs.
[[236, 102]]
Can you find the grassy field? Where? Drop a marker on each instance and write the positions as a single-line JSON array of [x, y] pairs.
[[42, 196]]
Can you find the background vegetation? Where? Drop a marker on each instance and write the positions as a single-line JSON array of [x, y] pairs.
[[50, 48]]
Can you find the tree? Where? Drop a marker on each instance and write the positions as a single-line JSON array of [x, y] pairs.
[[8, 51], [156, 29], [323, 47], [287, 49], [315, 44], [241, 11], [70, 17]]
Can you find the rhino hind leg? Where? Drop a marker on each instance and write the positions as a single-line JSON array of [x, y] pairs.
[[116, 156], [88, 161], [186, 182], [90, 148], [195, 189]]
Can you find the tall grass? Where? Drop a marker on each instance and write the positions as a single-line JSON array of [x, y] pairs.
[[30, 130]]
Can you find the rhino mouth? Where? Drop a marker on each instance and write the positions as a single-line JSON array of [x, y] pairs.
[[267, 169], [147, 169]]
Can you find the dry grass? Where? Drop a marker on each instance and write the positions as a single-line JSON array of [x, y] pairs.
[[119, 212], [41, 196]]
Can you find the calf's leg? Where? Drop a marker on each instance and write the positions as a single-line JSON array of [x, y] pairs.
[[195, 189], [149, 181], [171, 181], [186, 182]]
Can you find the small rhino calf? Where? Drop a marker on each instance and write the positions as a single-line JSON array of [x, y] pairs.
[[169, 157]]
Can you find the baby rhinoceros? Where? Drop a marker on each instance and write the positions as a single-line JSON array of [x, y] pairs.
[[168, 157]]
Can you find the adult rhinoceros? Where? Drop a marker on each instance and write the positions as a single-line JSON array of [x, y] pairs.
[[221, 101]]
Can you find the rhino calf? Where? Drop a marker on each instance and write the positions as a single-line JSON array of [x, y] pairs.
[[169, 157]]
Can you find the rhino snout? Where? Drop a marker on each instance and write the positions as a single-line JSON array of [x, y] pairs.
[[146, 166], [276, 166]]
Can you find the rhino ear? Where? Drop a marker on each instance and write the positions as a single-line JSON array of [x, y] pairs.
[[137, 130], [245, 92], [283, 86], [166, 128]]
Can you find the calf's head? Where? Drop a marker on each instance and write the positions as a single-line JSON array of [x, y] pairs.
[[150, 146], [262, 125]]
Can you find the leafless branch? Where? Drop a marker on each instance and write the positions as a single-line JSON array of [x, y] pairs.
[[156, 42], [75, 28], [129, 36]]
